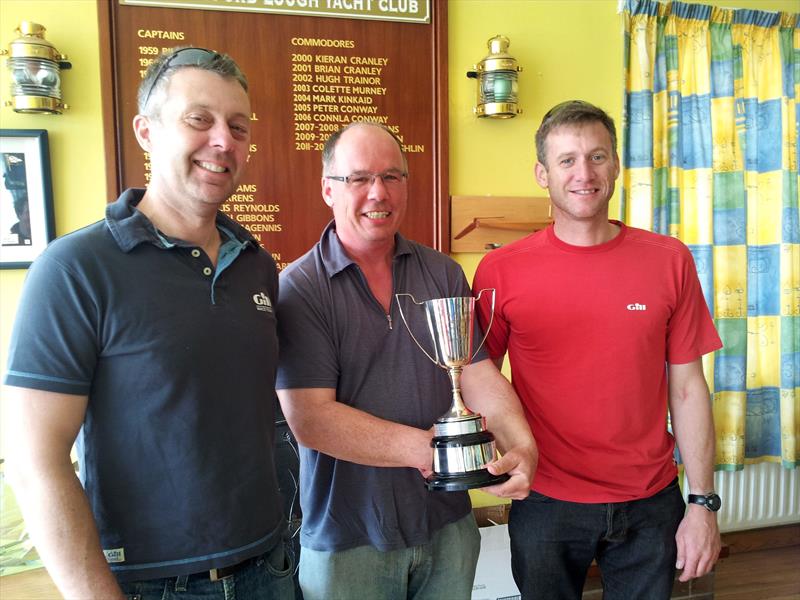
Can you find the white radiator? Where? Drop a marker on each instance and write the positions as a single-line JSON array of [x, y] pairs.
[[761, 495]]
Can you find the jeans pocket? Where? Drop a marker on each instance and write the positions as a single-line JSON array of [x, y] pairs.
[[279, 561], [149, 589]]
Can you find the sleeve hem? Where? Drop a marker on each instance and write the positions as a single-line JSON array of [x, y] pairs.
[[47, 384]]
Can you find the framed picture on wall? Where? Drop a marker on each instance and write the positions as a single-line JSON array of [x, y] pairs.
[[26, 197]]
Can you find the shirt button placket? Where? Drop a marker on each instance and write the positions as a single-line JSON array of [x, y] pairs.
[[207, 271]]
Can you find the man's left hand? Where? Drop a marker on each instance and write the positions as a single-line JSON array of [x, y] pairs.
[[520, 464], [698, 542]]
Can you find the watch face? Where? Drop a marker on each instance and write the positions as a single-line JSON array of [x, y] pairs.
[[711, 502]]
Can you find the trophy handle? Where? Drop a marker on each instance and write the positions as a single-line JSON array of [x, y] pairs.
[[413, 337], [491, 319]]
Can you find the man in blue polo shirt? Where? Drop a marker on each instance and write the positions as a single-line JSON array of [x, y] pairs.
[[361, 397], [152, 334]]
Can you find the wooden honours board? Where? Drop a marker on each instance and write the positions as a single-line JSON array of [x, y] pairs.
[[309, 75]]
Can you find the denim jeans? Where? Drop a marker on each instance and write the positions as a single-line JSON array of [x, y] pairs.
[[553, 543], [442, 568], [267, 577]]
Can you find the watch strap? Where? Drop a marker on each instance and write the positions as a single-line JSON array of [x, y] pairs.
[[711, 502]]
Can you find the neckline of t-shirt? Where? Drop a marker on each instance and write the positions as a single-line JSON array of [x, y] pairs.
[[604, 247]]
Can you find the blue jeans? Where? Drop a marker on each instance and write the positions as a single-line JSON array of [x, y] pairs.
[[267, 577], [553, 543], [442, 568]]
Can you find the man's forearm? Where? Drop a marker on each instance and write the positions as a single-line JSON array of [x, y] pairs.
[[320, 422], [693, 425], [488, 392], [41, 428], [61, 525], [697, 538]]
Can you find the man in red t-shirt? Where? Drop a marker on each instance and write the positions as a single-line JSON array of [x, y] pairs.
[[605, 326]]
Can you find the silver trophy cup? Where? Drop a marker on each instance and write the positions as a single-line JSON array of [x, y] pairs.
[[462, 447]]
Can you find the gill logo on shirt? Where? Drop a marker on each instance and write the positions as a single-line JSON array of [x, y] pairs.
[[636, 306], [262, 302], [115, 555]]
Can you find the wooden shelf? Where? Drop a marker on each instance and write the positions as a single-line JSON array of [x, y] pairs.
[[483, 223]]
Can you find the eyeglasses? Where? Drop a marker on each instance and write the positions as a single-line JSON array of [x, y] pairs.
[[362, 179], [181, 58]]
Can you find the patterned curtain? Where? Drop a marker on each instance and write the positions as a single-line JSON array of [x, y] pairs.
[[711, 157]]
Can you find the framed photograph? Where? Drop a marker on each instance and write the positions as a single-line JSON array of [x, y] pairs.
[[26, 197]]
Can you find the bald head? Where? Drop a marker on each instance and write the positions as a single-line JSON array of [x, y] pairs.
[[329, 150]]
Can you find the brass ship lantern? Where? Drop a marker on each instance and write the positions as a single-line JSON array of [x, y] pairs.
[[497, 76], [35, 66]]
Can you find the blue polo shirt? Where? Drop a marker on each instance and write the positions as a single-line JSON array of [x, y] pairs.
[[335, 334], [177, 358]]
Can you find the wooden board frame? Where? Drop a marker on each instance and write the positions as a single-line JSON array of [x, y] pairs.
[[428, 220]]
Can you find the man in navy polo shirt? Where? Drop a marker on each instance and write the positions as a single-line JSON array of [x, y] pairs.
[[150, 337]]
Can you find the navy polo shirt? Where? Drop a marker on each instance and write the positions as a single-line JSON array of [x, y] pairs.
[[177, 358], [335, 334]]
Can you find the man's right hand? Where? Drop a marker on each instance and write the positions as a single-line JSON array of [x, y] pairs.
[[520, 464]]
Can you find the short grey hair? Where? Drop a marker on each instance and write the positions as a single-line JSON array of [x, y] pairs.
[[572, 112]]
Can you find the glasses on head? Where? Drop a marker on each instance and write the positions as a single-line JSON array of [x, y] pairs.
[[181, 58], [362, 179]]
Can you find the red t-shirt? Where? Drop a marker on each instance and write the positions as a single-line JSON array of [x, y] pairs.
[[589, 332]]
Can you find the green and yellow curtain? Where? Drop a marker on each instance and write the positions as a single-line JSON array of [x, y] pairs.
[[710, 156]]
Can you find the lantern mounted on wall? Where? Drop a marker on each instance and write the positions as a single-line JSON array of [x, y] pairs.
[[35, 66], [497, 76]]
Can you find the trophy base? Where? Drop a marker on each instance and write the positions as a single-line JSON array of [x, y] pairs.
[[459, 461], [458, 482]]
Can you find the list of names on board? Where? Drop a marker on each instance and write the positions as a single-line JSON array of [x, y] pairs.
[[308, 77]]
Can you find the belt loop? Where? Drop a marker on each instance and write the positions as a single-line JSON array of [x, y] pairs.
[[181, 583]]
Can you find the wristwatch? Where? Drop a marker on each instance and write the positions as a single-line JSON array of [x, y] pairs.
[[710, 501]]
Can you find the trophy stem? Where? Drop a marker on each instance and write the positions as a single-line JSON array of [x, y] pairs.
[[458, 410]]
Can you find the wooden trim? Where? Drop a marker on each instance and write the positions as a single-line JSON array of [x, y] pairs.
[[107, 98], [441, 217], [764, 538]]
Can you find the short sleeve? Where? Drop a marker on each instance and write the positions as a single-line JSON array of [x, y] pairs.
[[308, 357], [54, 342], [486, 278], [690, 331]]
